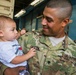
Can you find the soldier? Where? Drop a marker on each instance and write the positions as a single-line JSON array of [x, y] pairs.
[[55, 51]]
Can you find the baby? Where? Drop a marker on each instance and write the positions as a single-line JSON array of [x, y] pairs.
[[11, 53]]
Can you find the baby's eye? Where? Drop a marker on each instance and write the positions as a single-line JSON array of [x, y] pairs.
[[12, 29]]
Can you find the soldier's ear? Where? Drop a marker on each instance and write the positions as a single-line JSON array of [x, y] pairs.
[[65, 22]]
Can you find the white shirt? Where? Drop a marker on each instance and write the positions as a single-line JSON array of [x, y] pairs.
[[8, 51], [55, 41]]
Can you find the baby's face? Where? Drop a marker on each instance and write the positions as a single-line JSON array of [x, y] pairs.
[[9, 31]]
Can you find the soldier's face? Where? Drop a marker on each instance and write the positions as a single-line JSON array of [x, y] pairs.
[[52, 25]]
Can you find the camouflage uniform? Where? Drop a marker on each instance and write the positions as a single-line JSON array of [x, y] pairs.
[[50, 60]]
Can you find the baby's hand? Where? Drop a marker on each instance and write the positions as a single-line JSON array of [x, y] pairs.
[[32, 52], [23, 31]]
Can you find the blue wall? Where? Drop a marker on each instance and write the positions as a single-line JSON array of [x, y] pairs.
[[72, 26], [30, 21]]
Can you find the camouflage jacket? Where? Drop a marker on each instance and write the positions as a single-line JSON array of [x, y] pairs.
[[50, 60]]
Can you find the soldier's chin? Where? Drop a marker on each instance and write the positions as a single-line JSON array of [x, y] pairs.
[[45, 33]]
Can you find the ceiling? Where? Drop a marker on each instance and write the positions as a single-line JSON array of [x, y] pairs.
[[20, 4]]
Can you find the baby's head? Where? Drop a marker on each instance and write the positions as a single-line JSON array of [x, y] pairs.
[[7, 28], [4, 20]]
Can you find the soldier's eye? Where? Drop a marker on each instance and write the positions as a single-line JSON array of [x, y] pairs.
[[49, 19]]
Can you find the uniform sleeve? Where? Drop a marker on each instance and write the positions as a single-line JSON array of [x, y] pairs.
[[7, 53]]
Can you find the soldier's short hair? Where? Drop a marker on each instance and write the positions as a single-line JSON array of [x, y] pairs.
[[65, 7]]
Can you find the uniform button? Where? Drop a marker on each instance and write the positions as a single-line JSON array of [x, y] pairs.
[[44, 55], [48, 62], [38, 62]]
